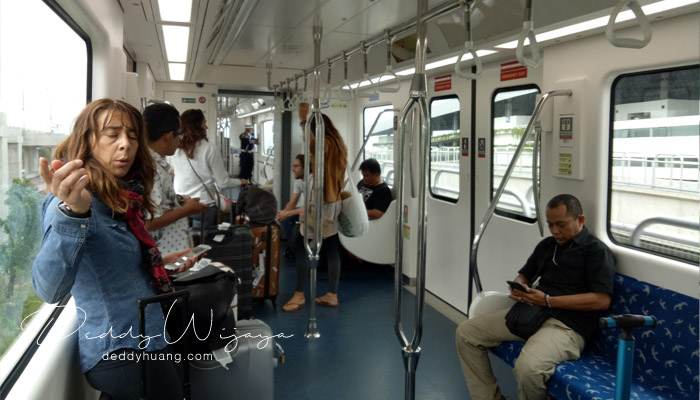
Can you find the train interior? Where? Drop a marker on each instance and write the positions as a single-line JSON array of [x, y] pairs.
[[618, 116]]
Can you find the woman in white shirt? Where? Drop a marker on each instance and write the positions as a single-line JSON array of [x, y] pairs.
[[198, 167]]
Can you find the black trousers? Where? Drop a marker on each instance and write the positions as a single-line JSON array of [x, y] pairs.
[[119, 378], [246, 164]]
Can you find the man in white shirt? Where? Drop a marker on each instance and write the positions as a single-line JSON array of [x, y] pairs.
[[168, 225], [289, 215]]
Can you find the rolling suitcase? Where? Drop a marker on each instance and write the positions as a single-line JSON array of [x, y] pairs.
[[180, 295], [234, 247], [266, 262], [249, 373]]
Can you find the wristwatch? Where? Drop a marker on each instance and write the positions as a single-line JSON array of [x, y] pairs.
[[63, 207]]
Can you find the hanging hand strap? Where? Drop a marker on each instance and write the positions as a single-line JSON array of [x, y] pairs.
[[528, 33], [468, 46], [642, 20]]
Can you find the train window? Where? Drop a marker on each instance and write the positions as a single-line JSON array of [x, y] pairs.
[[268, 141], [444, 148], [44, 72], [511, 111], [654, 144], [381, 145]]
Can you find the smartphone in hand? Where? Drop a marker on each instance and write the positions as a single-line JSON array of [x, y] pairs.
[[516, 285], [201, 249], [175, 265]]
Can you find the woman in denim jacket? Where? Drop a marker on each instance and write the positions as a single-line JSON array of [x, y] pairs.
[[96, 248]]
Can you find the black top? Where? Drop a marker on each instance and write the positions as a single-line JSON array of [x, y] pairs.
[[375, 197], [247, 142], [582, 265]]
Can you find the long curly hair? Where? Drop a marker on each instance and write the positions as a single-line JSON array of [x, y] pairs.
[[191, 125], [102, 183]]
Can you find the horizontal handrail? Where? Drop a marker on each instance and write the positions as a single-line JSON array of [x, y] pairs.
[[635, 239]]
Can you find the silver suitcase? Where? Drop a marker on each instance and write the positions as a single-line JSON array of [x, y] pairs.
[[250, 373]]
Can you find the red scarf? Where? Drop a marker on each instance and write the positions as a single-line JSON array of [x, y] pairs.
[[152, 260]]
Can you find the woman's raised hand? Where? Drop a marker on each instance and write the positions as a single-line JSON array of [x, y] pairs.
[[67, 182]]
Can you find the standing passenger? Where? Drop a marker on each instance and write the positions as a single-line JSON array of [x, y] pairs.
[[168, 224], [335, 161], [248, 142], [199, 169], [97, 248]]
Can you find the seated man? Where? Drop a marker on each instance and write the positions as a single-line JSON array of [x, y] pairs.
[[571, 273], [375, 192], [289, 215]]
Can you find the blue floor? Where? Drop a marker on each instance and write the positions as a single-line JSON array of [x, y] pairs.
[[358, 355]]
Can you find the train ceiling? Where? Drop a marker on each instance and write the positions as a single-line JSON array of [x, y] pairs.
[[231, 41]]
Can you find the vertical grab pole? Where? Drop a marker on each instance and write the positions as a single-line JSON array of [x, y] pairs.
[[418, 95], [312, 329]]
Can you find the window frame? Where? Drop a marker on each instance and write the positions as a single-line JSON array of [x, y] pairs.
[[430, 180], [18, 368], [496, 92], [611, 139]]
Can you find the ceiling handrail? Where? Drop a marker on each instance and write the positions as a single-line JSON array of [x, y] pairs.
[[528, 33], [372, 90], [641, 19], [468, 45], [388, 72], [438, 11]]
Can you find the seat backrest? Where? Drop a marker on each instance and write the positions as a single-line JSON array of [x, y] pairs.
[[668, 352]]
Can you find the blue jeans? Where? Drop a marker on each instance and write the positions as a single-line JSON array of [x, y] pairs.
[[288, 228]]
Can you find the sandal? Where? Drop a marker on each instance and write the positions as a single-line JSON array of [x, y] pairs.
[[291, 307], [321, 302]]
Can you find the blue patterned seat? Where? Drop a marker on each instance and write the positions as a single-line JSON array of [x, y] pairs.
[[666, 358]]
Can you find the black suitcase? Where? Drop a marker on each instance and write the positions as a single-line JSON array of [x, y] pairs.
[[234, 248], [180, 295]]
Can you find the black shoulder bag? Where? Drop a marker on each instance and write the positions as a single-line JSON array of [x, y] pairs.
[[524, 319], [210, 320]]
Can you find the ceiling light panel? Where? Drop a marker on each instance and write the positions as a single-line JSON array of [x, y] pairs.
[[176, 42], [177, 71], [175, 10]]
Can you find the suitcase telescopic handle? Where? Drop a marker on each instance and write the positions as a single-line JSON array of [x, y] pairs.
[[142, 303]]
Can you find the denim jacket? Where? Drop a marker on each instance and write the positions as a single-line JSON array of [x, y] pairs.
[[98, 260]]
